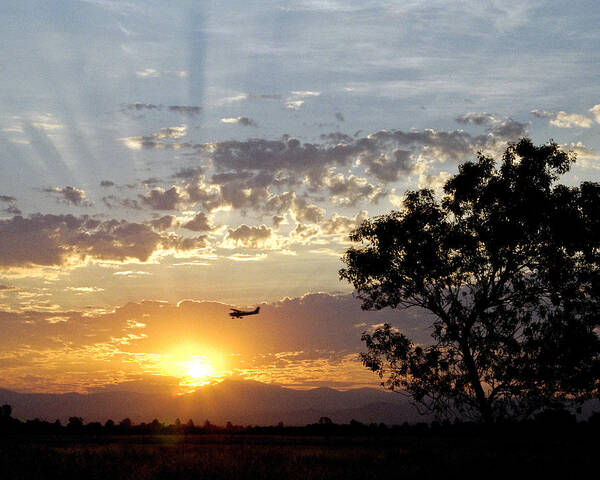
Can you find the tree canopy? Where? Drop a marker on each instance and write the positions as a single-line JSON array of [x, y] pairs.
[[507, 263]]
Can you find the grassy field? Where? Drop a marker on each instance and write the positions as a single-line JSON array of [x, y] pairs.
[[292, 457]]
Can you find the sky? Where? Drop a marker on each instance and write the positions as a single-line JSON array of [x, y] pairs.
[[162, 162]]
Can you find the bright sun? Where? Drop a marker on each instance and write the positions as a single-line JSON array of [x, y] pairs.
[[194, 369], [199, 368]]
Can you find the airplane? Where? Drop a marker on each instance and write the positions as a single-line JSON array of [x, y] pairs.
[[235, 313]]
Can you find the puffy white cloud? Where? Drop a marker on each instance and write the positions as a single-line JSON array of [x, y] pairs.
[[563, 119], [595, 111]]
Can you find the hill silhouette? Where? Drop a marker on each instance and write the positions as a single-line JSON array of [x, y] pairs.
[[235, 400]]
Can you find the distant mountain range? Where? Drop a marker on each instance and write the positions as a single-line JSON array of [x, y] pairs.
[[241, 402]]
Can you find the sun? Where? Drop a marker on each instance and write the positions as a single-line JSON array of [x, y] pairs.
[[199, 369]]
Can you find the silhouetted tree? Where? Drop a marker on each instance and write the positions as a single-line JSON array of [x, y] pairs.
[[6, 411], [508, 264], [325, 421], [75, 424]]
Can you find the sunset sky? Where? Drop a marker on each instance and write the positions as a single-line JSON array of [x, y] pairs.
[[162, 162]]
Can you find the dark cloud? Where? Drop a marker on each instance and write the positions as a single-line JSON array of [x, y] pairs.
[[7, 198], [243, 121], [389, 168], [339, 117], [247, 122], [261, 174], [189, 173], [477, 119], [69, 195], [12, 210], [58, 240], [164, 223], [248, 237], [200, 223], [140, 107], [161, 199], [185, 109], [509, 129], [107, 183], [112, 201]]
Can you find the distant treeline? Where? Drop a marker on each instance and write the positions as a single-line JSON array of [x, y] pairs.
[[548, 420]]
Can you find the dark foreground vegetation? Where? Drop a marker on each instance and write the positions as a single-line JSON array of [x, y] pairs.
[[552, 446]]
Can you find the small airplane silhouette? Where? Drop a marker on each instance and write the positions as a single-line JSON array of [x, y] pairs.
[[235, 313]]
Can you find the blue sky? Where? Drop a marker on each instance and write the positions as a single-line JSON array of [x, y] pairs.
[[222, 151]]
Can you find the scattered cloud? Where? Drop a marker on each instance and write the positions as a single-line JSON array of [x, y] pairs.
[[64, 240], [595, 111], [69, 195], [246, 236], [563, 119], [153, 73], [200, 223], [296, 98], [139, 107], [160, 199], [164, 223], [244, 121]]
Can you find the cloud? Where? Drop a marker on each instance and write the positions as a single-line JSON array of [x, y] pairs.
[[64, 240], [563, 119], [171, 132], [244, 121], [185, 109], [246, 236], [595, 111], [308, 336], [160, 199], [477, 119], [7, 198], [263, 174], [69, 195], [5, 288], [153, 73], [341, 225], [339, 117], [296, 99], [107, 183], [200, 223], [112, 201], [188, 110], [164, 223]]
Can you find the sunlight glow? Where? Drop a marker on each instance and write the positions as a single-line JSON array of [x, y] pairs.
[[194, 369]]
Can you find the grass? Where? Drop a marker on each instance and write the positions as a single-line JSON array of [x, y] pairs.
[[290, 458]]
